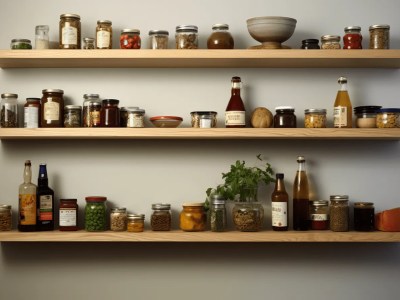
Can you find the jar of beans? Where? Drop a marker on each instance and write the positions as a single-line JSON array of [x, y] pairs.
[[379, 36], [161, 217], [118, 219], [130, 39], [186, 37], [339, 213], [315, 118], [135, 223], [95, 213], [352, 38]]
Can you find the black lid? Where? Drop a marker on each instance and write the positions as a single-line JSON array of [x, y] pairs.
[[280, 175], [110, 101], [366, 109], [310, 41]]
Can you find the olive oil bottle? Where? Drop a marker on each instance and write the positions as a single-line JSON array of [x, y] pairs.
[[27, 201], [342, 110]]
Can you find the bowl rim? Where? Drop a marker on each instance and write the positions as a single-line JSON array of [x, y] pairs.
[[166, 118], [272, 18]]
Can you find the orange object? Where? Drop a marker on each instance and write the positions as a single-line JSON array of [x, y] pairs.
[[388, 220]]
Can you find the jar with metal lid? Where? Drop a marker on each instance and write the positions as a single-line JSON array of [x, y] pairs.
[[339, 213], [42, 37], [104, 34], [186, 37], [109, 116], [95, 213], [204, 119], [91, 110], [134, 117], [315, 118], [366, 116], [161, 217], [379, 36], [330, 42], [52, 108], [218, 221], [88, 43], [158, 39], [130, 39], [220, 38], [388, 118], [364, 216], [68, 215], [72, 116], [352, 38], [118, 219], [319, 215], [70, 31], [310, 44], [193, 217], [5, 217], [9, 110], [21, 44], [32, 113], [284, 117], [135, 223]]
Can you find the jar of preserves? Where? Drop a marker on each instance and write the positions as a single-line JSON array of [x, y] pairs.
[[134, 117], [109, 116], [68, 215], [135, 223], [388, 118], [95, 213], [72, 116], [104, 34], [284, 117], [352, 38], [366, 116], [330, 42], [319, 215], [204, 119], [88, 43], [310, 44], [339, 213], [32, 113], [91, 110], [21, 44], [42, 37], [5, 217], [218, 221], [186, 37], [364, 216], [379, 36], [315, 118], [52, 108], [158, 39], [70, 31], [220, 38], [193, 217], [130, 39], [161, 217], [118, 219], [9, 110]]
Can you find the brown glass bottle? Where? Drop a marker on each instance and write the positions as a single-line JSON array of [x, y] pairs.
[[279, 205], [301, 197], [235, 111], [342, 110]]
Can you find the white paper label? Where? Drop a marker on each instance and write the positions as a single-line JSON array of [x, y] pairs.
[[51, 111], [103, 39], [69, 35], [279, 214], [67, 217], [340, 116], [319, 217], [31, 117], [235, 118]]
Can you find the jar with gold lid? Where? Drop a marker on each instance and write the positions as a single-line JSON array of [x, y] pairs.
[[339, 213], [330, 42], [52, 108], [220, 37], [193, 217], [315, 118], [135, 223], [104, 34], [70, 31]]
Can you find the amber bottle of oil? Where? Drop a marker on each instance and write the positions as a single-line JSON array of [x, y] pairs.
[[342, 111]]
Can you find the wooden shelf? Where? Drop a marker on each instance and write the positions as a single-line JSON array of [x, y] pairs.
[[172, 58]]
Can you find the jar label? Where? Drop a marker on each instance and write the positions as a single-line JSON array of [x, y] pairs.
[[340, 116], [67, 217], [279, 214], [69, 35], [318, 217], [51, 111], [94, 118], [235, 118], [45, 208], [27, 211], [31, 117], [103, 39]]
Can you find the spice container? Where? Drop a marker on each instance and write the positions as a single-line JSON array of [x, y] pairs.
[[88, 43], [52, 108], [95, 213], [104, 34], [135, 223], [284, 117], [220, 38], [388, 118], [186, 37], [72, 116], [134, 117], [315, 118], [161, 217], [109, 115], [32, 113], [193, 217], [158, 39], [364, 216], [218, 214], [70, 31], [91, 110], [68, 215], [9, 110], [366, 116], [204, 119], [21, 44], [42, 37], [352, 38], [339, 213], [130, 39], [310, 44], [118, 219], [330, 42], [379, 37], [5, 218], [319, 215]]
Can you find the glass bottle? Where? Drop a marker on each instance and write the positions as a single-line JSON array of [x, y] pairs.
[[45, 201], [279, 205], [235, 111], [218, 214], [342, 110], [220, 38], [300, 197], [52, 108], [27, 201], [104, 34], [32, 113], [352, 38], [42, 37], [9, 110], [68, 215]]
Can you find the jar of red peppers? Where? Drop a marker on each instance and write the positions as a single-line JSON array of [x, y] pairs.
[[319, 215], [352, 38], [130, 39], [109, 115]]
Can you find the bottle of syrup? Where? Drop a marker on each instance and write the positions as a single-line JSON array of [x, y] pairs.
[[27, 201], [301, 197], [279, 205], [235, 111], [45, 201], [342, 111]]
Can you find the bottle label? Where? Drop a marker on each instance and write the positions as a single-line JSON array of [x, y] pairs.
[[340, 116], [46, 207], [69, 35], [235, 118], [31, 117], [279, 214], [27, 209], [318, 217], [67, 217], [51, 111], [103, 39]]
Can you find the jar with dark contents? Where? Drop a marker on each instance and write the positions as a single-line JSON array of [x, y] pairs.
[[52, 108], [339, 213], [109, 116], [319, 215], [310, 44], [220, 38], [161, 217], [364, 216], [379, 36], [186, 37], [284, 117], [130, 39], [70, 31], [218, 221], [32, 113], [330, 42], [72, 116], [68, 215], [9, 110], [352, 38], [91, 110]]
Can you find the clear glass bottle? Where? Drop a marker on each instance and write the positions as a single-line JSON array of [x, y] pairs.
[[5, 217], [45, 201], [42, 37], [72, 116], [118, 219], [379, 36], [220, 38], [88, 43], [339, 213], [301, 197], [342, 108], [70, 31], [91, 110], [95, 213], [27, 211], [319, 215], [32, 113], [330, 42], [158, 39], [9, 110], [161, 218], [135, 223], [218, 221], [235, 113], [186, 37], [104, 34], [279, 205], [352, 38], [193, 217]]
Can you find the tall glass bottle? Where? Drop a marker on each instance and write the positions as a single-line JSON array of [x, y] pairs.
[[27, 201], [279, 205], [301, 197], [235, 111], [45, 201], [342, 110]]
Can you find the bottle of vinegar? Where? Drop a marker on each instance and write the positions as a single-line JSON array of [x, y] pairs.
[[27, 201], [301, 197], [342, 111], [279, 205], [45, 201], [235, 111]]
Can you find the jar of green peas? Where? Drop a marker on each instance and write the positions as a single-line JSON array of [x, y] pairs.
[[95, 213]]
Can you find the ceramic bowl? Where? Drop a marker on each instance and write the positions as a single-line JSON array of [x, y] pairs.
[[166, 121]]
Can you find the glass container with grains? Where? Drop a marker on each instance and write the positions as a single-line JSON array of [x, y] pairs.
[[339, 213]]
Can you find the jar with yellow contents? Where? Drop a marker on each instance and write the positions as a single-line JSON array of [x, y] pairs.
[[135, 223], [193, 217]]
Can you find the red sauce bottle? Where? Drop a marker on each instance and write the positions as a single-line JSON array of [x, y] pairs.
[[235, 111]]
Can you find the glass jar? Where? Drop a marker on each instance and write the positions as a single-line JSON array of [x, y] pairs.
[[135, 223], [5, 217], [52, 108], [284, 117], [364, 216], [95, 213], [70, 31], [193, 217], [42, 37], [32, 113], [21, 44], [88, 43], [366, 116], [161, 217], [339, 213], [72, 116], [310, 44], [220, 38], [352, 38], [158, 39], [134, 117], [118, 219], [68, 215], [379, 36], [130, 39], [104, 34], [109, 116], [248, 216], [186, 37], [91, 110], [319, 215], [9, 110], [204, 119], [329, 42], [315, 118], [388, 118], [218, 221]]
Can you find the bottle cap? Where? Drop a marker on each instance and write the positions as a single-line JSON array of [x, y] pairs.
[[342, 80]]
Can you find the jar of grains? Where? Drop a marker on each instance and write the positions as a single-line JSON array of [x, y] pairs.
[[339, 213], [364, 216], [315, 118], [5, 218], [68, 215], [366, 116], [42, 37], [329, 42], [379, 37], [352, 38], [218, 214], [9, 110], [319, 215], [109, 116], [186, 37], [130, 39], [118, 219], [134, 117], [161, 217], [95, 213], [310, 44], [284, 117], [104, 34], [88, 43], [220, 37], [158, 39], [193, 217], [135, 223], [70, 31], [204, 119], [72, 116], [91, 110], [388, 118]]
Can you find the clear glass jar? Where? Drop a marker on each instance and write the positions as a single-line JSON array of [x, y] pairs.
[[32, 113], [68, 215], [135, 223], [134, 117], [72, 116], [70, 31], [95, 213], [5, 218], [284, 117], [109, 116], [319, 215], [379, 36], [186, 37], [193, 217], [161, 217], [91, 110], [9, 110], [158, 39], [310, 44], [104, 34], [364, 216], [130, 39], [330, 42], [315, 118], [118, 219], [352, 38], [220, 38], [248, 216], [339, 213], [388, 118], [21, 44], [204, 119], [366, 116], [88, 43], [42, 37], [218, 221]]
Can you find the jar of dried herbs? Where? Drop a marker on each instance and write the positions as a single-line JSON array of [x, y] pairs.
[[339, 213], [118, 219], [186, 37], [161, 217], [217, 214], [5, 218], [72, 116], [9, 110]]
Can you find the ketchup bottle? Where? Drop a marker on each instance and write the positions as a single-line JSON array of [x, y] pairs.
[[235, 111]]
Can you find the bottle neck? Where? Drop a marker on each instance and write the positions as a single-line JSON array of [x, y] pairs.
[[343, 87], [236, 86], [280, 185], [42, 179], [301, 167], [27, 174]]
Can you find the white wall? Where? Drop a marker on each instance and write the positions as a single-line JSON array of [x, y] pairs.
[[137, 173]]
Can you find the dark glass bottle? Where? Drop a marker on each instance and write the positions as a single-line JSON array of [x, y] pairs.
[[27, 201], [279, 205], [301, 197], [235, 111], [45, 201]]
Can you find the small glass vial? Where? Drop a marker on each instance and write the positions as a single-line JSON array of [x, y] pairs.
[[339, 213], [220, 38], [364, 216], [95, 213], [9, 110], [352, 38], [218, 214], [68, 215], [310, 44], [193, 217], [42, 37], [366, 116], [134, 117], [88, 43], [158, 39], [91, 110], [379, 36], [315, 118], [72, 116], [330, 42], [186, 37], [5, 218], [319, 215], [284, 117], [109, 116], [32, 113], [118, 219], [135, 223], [104, 34], [130, 39], [388, 118], [161, 217], [70, 31]]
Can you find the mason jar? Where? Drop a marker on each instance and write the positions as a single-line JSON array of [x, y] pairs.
[[88, 43], [193, 217], [284, 117], [130, 39], [310, 44], [364, 216], [330, 42], [91, 110], [72, 116], [118, 219], [339, 213], [218, 218], [9, 110], [42, 37], [135, 223], [220, 37], [319, 215], [21, 44], [315, 118], [158, 39], [109, 116], [104, 34], [70, 31], [161, 217], [379, 36], [186, 37], [352, 38]]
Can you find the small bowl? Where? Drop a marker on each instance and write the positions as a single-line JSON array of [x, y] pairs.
[[166, 121]]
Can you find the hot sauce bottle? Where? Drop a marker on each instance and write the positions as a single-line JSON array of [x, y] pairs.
[[235, 111]]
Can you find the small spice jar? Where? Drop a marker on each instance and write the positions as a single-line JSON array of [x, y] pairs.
[[339, 213], [315, 118], [134, 117], [284, 117], [21, 44], [88, 43], [218, 221], [95, 213], [364, 216], [186, 37], [388, 118], [379, 36], [70, 31], [130, 39], [193, 217], [220, 37], [91, 110], [72, 116], [52, 108], [42, 37], [104, 34], [310, 44], [5, 217], [109, 116], [135, 223], [204, 119], [366, 116], [161, 217], [352, 38], [68, 215], [330, 42], [158, 39], [32, 113], [9, 110], [118, 219], [319, 215]]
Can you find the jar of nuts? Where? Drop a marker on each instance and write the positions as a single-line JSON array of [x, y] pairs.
[[315, 118], [329, 42], [118, 219], [379, 37], [388, 118], [186, 37]]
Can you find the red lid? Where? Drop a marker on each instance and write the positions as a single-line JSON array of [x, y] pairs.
[[95, 199]]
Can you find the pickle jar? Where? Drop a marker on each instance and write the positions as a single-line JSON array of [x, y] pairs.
[[339, 213], [220, 37], [88, 43], [315, 118], [52, 108], [330, 42], [310, 44], [284, 117], [109, 116], [364, 216], [186, 37], [70, 31], [130, 39], [118, 219], [158, 39], [379, 36], [72, 116], [104, 34], [193, 217], [32, 113], [5, 218], [135, 223], [352, 38], [9, 110], [91, 110], [95, 213], [161, 217]]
